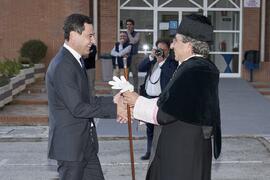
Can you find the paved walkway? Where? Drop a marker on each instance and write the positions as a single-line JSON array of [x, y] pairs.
[[245, 118], [244, 111], [243, 158]]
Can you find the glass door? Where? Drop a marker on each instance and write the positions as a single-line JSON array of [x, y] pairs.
[[168, 22], [160, 18]]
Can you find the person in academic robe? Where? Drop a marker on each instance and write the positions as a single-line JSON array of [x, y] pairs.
[[188, 108]]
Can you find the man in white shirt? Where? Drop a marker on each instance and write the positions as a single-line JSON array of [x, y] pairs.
[[120, 51], [160, 66]]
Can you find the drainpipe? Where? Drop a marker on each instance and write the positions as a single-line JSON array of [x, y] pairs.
[[262, 51], [95, 18]]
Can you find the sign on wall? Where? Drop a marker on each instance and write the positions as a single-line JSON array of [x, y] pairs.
[[252, 3]]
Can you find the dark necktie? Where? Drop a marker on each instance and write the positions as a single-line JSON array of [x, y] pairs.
[[83, 66], [82, 63]]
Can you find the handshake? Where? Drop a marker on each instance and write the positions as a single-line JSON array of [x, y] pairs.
[[125, 99]]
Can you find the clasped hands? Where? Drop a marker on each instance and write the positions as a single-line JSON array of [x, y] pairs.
[[126, 98]]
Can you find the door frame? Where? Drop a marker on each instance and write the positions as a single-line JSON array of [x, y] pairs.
[[205, 7]]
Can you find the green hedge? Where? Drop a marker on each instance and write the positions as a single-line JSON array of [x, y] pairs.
[[35, 50], [9, 67]]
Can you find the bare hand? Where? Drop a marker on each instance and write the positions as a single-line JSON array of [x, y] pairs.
[[121, 107], [153, 53], [130, 98], [121, 111], [117, 98]]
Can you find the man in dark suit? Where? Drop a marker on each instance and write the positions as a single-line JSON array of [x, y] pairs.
[[72, 134], [160, 66]]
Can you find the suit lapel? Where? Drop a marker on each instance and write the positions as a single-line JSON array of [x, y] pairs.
[[75, 63], [81, 71]]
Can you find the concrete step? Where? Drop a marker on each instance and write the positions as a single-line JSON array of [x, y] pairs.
[[17, 114], [31, 99], [30, 107], [262, 87], [265, 93]]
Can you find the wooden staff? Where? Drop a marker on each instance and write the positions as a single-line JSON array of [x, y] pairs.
[[129, 126]]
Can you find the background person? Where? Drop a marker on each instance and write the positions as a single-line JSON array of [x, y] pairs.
[[134, 39], [160, 66], [121, 50], [90, 66]]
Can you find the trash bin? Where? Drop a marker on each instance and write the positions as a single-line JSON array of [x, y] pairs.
[[106, 66]]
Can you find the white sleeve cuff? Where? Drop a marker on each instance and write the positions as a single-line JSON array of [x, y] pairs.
[[146, 110]]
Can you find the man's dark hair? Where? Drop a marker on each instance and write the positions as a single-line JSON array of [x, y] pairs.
[[75, 22], [163, 41], [125, 32], [131, 21]]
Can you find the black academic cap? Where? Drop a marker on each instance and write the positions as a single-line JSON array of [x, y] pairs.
[[197, 27]]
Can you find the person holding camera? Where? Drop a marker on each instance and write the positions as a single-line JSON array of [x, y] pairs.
[[160, 66]]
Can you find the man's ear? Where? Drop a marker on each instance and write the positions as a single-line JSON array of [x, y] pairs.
[[72, 35], [190, 47]]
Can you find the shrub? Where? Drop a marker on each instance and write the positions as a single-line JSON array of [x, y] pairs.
[[35, 50], [9, 67]]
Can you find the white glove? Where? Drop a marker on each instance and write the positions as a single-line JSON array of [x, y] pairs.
[[122, 84]]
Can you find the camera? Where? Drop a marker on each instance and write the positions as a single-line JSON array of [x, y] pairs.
[[159, 52]]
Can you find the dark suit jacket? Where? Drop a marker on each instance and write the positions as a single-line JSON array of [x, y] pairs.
[[71, 109], [167, 69]]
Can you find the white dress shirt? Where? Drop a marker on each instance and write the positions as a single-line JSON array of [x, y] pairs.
[[74, 53], [122, 51], [152, 86]]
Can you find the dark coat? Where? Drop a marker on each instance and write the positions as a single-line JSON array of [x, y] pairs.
[[188, 106], [167, 70], [71, 109]]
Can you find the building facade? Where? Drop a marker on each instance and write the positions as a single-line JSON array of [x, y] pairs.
[[239, 25]]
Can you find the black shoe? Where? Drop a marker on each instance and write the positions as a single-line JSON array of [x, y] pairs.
[[146, 156]]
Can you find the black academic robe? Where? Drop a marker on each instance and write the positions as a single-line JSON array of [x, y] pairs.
[[190, 115]]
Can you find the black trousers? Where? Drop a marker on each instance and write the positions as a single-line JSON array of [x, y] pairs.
[[87, 169], [149, 130], [80, 170], [149, 133]]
